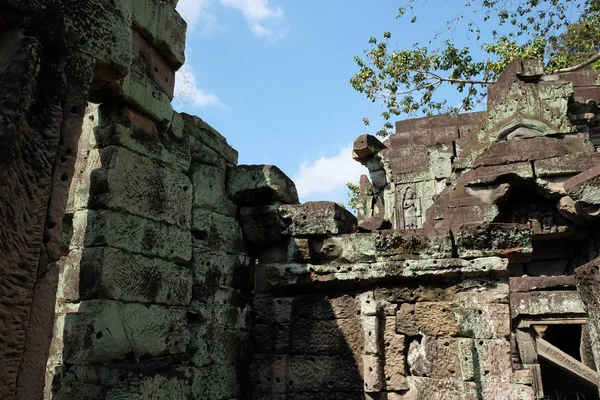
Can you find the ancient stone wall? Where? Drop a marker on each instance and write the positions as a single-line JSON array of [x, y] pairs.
[[139, 261]]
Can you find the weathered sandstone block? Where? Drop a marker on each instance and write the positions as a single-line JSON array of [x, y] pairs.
[[255, 185], [512, 241], [270, 223], [209, 190], [104, 331], [138, 185], [108, 273], [131, 233]]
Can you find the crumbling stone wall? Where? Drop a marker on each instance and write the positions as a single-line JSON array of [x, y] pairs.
[[385, 315], [166, 271], [151, 293]]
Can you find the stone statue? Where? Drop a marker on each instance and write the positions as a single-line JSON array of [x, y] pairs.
[[410, 209]]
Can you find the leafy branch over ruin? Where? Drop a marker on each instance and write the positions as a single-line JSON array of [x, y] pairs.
[[564, 33]]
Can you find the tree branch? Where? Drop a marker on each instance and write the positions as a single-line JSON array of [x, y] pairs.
[[452, 80], [589, 61]]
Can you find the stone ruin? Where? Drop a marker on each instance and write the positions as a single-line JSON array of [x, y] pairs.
[[139, 261]]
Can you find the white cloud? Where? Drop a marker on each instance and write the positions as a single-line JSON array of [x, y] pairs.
[[263, 19], [187, 91], [327, 176], [194, 12]]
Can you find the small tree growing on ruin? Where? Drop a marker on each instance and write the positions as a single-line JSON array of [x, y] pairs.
[[564, 33]]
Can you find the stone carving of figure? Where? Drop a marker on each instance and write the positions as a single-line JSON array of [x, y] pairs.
[[410, 209]]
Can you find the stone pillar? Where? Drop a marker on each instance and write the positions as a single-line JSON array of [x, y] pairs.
[[588, 286]]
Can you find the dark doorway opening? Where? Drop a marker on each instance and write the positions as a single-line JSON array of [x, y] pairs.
[[559, 384]]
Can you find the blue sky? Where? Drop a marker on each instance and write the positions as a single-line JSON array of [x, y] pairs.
[[273, 77]]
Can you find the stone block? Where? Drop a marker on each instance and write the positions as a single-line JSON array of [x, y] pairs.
[[461, 195], [512, 241], [255, 185], [207, 138], [217, 346], [102, 331], [406, 323], [163, 27], [280, 309], [317, 218], [424, 135], [505, 390], [570, 164], [271, 338], [414, 244], [517, 173], [153, 64], [131, 233], [546, 303], [365, 147], [268, 373], [436, 319], [108, 273], [287, 250], [216, 269], [533, 283], [466, 348], [214, 382], [140, 186], [265, 224], [551, 187], [290, 274], [483, 321], [585, 77], [372, 332], [411, 160], [125, 127], [323, 373], [440, 389], [351, 248], [209, 190], [152, 386], [587, 94], [102, 33], [325, 337], [394, 370], [494, 357], [342, 307], [372, 375], [456, 216], [588, 284], [434, 358], [141, 92], [532, 149], [585, 186], [214, 232], [220, 315]]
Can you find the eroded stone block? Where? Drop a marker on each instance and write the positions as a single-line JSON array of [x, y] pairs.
[[512, 241], [131, 233], [108, 273], [270, 223], [213, 232], [254, 185], [104, 331], [210, 191], [585, 187], [129, 182]]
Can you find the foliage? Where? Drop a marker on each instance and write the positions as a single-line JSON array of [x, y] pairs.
[[354, 192], [406, 81]]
